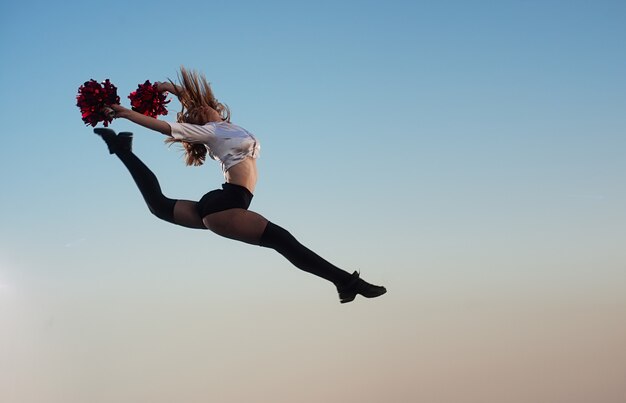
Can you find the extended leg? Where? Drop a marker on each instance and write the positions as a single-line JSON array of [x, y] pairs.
[[180, 212], [250, 227], [283, 242]]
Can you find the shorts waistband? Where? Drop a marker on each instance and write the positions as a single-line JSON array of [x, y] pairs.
[[233, 186]]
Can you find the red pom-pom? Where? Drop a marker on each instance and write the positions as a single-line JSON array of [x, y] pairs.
[[93, 100], [148, 100]]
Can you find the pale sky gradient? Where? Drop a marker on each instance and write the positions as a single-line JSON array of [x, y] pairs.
[[470, 156]]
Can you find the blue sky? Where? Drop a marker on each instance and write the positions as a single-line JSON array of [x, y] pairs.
[[464, 154]]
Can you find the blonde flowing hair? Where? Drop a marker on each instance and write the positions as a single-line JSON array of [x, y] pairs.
[[195, 95]]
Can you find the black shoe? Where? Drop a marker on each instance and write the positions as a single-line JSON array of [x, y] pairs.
[[349, 290], [116, 143]]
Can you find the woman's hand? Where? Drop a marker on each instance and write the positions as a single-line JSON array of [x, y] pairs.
[[120, 111], [165, 86]]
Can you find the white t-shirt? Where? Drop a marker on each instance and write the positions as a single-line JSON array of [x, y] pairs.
[[225, 142]]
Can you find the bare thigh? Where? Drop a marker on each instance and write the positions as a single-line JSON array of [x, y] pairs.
[[242, 225], [186, 214]]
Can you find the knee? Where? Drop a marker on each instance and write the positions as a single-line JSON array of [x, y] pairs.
[[277, 238], [162, 212]]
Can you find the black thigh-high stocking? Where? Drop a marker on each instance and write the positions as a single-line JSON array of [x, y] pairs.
[[283, 242], [148, 184]]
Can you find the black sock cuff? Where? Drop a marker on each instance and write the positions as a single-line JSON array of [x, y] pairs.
[[270, 235]]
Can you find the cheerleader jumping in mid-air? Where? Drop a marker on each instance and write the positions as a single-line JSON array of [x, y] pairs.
[[203, 126]]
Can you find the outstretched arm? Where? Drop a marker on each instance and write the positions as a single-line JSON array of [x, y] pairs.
[[143, 120]]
